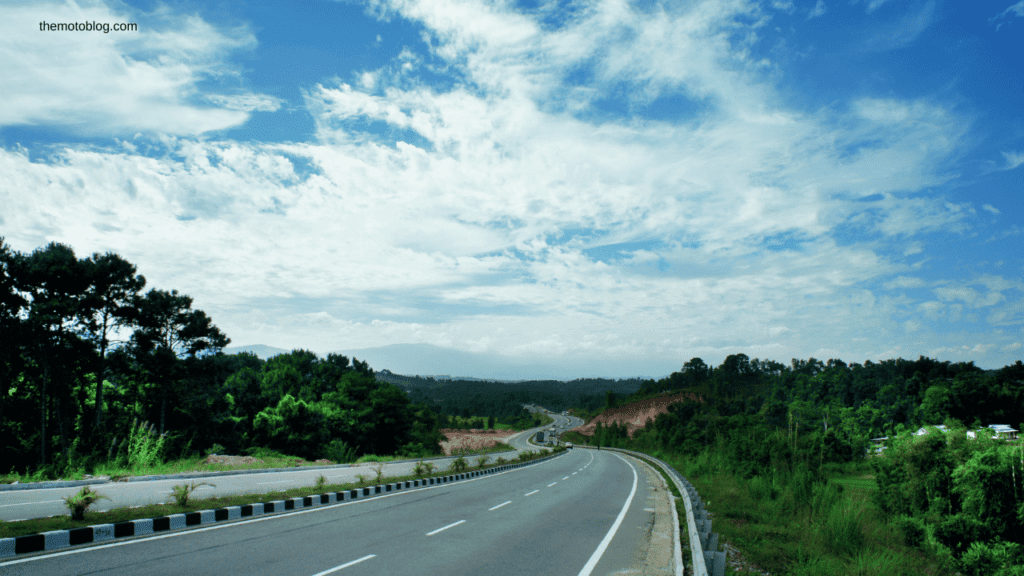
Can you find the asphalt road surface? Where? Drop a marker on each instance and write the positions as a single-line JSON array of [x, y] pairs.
[[42, 503], [582, 513]]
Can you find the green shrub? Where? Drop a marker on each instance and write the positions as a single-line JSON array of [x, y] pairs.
[[912, 529], [79, 503], [423, 468], [145, 447], [842, 529], [993, 559], [183, 492], [216, 449], [339, 451], [959, 531], [458, 465]]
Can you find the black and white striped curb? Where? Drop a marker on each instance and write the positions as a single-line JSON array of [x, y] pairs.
[[57, 539]]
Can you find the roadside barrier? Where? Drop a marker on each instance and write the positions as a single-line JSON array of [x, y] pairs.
[[707, 560], [57, 539]]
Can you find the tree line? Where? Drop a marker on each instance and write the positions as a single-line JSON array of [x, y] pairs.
[[86, 353], [786, 429]]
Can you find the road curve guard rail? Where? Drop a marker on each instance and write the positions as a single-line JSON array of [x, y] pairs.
[[57, 539], [707, 560]]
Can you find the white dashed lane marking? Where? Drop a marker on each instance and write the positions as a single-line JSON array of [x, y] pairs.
[[443, 528]]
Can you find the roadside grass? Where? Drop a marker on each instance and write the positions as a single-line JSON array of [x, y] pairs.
[[11, 529], [192, 464], [825, 528]]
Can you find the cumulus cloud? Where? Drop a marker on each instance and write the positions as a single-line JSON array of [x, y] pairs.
[[487, 202]]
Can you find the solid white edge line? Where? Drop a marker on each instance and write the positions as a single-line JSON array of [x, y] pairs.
[[443, 528], [343, 566], [677, 549], [499, 505], [596, 556], [248, 519]]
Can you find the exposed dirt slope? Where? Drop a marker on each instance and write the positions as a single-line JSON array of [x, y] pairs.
[[634, 416], [472, 439]]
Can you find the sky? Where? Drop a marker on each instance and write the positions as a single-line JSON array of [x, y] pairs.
[[600, 181]]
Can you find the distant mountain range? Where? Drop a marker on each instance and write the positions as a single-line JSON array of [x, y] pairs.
[[429, 360]]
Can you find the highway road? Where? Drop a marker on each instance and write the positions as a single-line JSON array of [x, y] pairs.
[[585, 512], [45, 502]]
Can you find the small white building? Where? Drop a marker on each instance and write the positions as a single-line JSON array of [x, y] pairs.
[[1003, 431]]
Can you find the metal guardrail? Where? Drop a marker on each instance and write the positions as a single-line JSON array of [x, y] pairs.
[[707, 560]]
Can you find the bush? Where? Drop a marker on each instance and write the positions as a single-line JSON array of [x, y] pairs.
[[912, 529], [339, 451], [145, 447], [959, 531], [423, 468], [842, 529], [458, 465], [183, 492], [761, 489], [79, 503], [997, 559]]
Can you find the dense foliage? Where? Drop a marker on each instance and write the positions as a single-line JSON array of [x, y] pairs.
[[786, 430], [504, 400], [86, 357]]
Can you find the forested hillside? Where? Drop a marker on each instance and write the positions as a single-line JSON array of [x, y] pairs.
[[505, 399], [776, 444]]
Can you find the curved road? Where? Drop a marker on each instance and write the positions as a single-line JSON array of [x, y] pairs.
[[585, 512]]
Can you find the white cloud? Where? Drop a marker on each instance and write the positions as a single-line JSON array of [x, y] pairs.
[[121, 82], [1014, 10], [246, 102], [990, 208], [875, 5], [904, 282], [818, 10], [488, 209], [969, 296], [1013, 159]]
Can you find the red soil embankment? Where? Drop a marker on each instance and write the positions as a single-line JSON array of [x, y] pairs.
[[634, 416], [472, 439]]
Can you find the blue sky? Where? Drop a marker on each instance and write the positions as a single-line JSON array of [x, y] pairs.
[[632, 183]]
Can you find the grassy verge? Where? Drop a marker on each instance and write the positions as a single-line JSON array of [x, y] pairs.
[[39, 525], [789, 525], [193, 464], [270, 460]]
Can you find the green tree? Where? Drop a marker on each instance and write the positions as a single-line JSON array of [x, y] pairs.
[[113, 290], [168, 329]]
